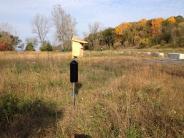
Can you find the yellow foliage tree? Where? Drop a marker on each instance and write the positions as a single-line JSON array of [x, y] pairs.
[[142, 22], [171, 20]]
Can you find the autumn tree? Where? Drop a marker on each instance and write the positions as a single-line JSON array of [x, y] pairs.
[[8, 42], [142, 22], [177, 35], [156, 25], [5, 42], [108, 37], [8, 38], [126, 38], [181, 34], [121, 28], [171, 20], [179, 19], [145, 33]]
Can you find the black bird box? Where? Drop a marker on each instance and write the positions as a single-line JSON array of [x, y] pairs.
[[73, 71]]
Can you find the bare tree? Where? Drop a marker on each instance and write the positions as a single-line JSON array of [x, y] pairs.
[[64, 25], [94, 27], [32, 40], [40, 27], [5, 27], [93, 36]]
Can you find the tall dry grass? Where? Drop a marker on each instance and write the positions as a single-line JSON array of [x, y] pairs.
[[119, 96]]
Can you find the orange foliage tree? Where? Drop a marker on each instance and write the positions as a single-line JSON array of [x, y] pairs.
[[7, 41], [171, 20], [121, 28], [156, 25], [142, 22]]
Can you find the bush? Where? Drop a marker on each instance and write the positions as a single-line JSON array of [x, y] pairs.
[[30, 47], [144, 43], [3, 47], [46, 47], [8, 41]]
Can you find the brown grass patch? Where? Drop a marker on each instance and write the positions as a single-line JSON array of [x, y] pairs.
[[119, 96]]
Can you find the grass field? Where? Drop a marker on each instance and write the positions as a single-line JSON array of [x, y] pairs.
[[119, 95]]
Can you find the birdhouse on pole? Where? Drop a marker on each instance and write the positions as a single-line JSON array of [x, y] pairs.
[[74, 71], [77, 47]]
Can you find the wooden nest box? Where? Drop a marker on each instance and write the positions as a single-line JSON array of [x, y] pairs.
[[77, 47]]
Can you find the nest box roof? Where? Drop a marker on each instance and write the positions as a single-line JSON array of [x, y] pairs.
[[77, 39]]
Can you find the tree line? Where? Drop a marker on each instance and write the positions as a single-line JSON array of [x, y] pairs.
[[156, 32], [62, 23], [145, 33]]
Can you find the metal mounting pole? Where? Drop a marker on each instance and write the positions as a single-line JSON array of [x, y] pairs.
[[74, 94]]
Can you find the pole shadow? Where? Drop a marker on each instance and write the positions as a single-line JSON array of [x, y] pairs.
[[27, 118], [78, 86]]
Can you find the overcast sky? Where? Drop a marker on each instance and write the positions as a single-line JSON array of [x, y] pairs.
[[19, 13]]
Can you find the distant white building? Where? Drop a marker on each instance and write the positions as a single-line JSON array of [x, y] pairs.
[[176, 56], [20, 47]]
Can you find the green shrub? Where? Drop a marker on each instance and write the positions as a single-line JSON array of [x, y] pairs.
[[46, 46], [8, 106], [133, 132], [144, 43], [30, 47]]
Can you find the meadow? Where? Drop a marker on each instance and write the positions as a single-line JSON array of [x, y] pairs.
[[119, 95]]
